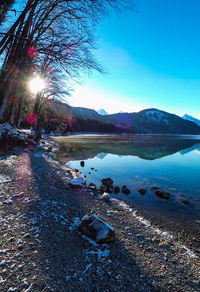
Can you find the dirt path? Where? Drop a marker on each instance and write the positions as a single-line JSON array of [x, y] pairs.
[[41, 249]]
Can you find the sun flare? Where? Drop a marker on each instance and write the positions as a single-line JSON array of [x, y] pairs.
[[36, 84]]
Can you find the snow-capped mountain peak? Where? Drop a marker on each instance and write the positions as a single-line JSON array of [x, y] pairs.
[[102, 112], [192, 119]]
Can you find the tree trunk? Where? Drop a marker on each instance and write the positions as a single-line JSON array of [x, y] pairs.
[[36, 108], [4, 103], [21, 107], [12, 116]]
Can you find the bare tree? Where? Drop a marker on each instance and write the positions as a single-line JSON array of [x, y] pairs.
[[5, 6], [57, 31]]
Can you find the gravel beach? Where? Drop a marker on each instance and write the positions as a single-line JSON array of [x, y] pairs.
[[41, 248]]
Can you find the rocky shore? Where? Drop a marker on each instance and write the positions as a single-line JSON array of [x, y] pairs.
[[42, 248]]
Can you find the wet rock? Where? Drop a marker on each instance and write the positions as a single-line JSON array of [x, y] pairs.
[[162, 194], [82, 163], [97, 229], [107, 182], [78, 182], [185, 201], [142, 191], [110, 190], [103, 188], [125, 190], [116, 189], [105, 197], [154, 188], [92, 186]]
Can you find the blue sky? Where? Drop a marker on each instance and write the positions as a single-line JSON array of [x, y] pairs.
[[152, 59]]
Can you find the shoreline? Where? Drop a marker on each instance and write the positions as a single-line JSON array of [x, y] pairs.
[[179, 219], [141, 258]]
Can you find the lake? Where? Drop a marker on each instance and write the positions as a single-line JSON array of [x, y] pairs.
[[170, 162]]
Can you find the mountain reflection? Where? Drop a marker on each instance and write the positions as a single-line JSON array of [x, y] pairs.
[[147, 147]]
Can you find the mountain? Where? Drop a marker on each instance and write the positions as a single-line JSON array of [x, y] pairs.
[[84, 112], [149, 121], [61, 118], [154, 121], [102, 112], [192, 119]]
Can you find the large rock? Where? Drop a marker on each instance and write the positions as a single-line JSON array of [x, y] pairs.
[[82, 163], [142, 191], [162, 194], [92, 186], [116, 189], [103, 188], [97, 229], [78, 182], [107, 182], [110, 190], [185, 201], [125, 190], [106, 197]]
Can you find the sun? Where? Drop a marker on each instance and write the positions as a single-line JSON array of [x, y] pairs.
[[37, 84]]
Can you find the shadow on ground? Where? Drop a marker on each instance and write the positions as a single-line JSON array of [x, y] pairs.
[[66, 261]]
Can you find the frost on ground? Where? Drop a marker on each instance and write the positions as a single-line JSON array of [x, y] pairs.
[[41, 248], [14, 134], [161, 233]]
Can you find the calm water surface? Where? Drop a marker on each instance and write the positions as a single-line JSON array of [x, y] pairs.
[[169, 162]]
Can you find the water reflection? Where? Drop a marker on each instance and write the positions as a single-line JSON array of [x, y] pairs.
[[171, 163], [149, 147]]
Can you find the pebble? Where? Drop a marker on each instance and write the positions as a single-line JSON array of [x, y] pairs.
[[5, 271], [8, 202], [13, 289], [19, 241], [13, 266], [20, 267], [2, 280], [67, 278], [11, 239], [25, 284], [3, 263], [3, 251]]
